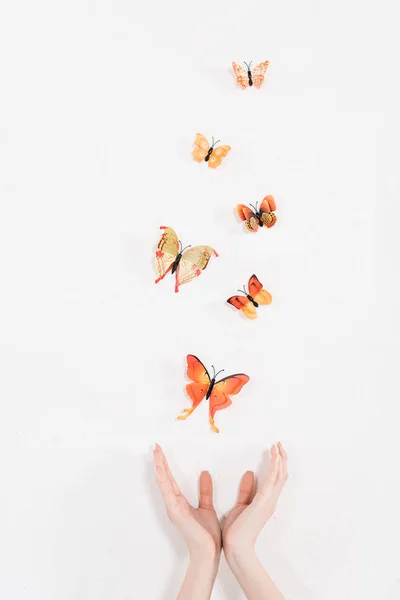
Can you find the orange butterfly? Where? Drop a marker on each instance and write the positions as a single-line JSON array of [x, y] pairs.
[[258, 217], [216, 392], [210, 154], [251, 299], [247, 78], [186, 264]]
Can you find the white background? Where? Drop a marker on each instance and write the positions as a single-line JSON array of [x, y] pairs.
[[99, 106]]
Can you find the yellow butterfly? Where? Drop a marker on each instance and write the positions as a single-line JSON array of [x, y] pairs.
[[210, 154]]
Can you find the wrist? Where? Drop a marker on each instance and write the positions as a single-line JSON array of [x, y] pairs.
[[204, 559], [240, 554]]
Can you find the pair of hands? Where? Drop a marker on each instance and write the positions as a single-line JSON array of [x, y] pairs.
[[200, 528]]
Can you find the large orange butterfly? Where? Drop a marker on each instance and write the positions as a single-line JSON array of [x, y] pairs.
[[185, 264], [258, 217], [217, 392], [251, 299], [210, 154], [247, 78]]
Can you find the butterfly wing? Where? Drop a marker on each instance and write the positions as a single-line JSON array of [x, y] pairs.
[[217, 155], [241, 75], [248, 216], [268, 217], [196, 390], [220, 399], [258, 73], [245, 305], [268, 203], [201, 147], [256, 290], [192, 263], [167, 251]]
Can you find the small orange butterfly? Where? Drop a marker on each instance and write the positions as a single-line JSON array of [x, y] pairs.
[[247, 78], [258, 217], [210, 154], [185, 264], [251, 299], [203, 386]]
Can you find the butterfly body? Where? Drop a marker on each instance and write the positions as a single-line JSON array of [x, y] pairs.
[[255, 217], [258, 216], [207, 158], [249, 301], [176, 263], [210, 154], [203, 386], [210, 388], [185, 263], [249, 78]]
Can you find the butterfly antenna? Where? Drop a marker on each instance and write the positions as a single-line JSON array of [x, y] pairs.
[[185, 248], [254, 207], [213, 368], [180, 246], [218, 373], [214, 143]]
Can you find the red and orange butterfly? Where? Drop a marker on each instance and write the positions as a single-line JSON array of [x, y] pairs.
[[203, 386], [210, 154], [251, 299], [247, 78], [258, 217], [185, 264]]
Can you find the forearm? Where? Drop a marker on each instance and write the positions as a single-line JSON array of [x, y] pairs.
[[251, 576], [199, 579]]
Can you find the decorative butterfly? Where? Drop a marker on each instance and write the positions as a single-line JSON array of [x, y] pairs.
[[251, 299], [185, 264], [247, 78], [217, 392], [210, 154], [258, 217]]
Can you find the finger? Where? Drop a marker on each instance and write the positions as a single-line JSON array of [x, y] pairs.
[[206, 491], [171, 478], [273, 471], [284, 458], [161, 476], [246, 488], [280, 479]]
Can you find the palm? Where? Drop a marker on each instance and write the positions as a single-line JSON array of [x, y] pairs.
[[207, 518], [203, 521], [232, 520]]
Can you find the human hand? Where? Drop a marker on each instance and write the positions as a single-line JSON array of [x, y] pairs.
[[199, 527], [252, 511]]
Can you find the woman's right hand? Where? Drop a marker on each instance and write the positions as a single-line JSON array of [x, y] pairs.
[[252, 511], [199, 527]]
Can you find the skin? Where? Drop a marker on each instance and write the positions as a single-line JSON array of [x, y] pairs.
[[204, 538]]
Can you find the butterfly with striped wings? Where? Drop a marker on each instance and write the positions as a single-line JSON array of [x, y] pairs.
[[185, 263]]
